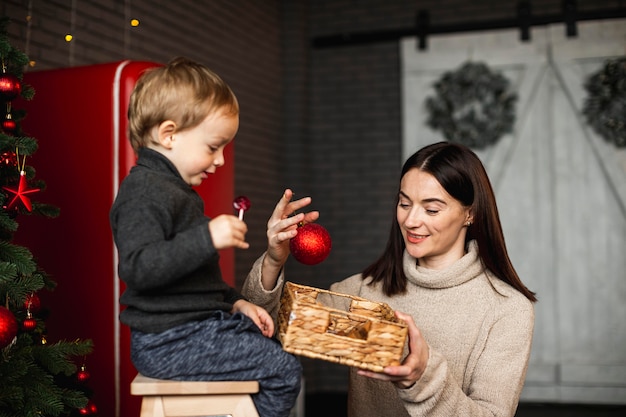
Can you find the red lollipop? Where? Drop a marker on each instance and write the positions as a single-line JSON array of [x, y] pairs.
[[241, 203]]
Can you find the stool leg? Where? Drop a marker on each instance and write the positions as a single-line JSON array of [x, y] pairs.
[[152, 406], [246, 408]]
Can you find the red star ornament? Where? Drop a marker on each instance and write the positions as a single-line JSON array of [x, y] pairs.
[[21, 192]]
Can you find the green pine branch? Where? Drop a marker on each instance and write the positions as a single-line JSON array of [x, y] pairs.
[[8, 225], [20, 256], [30, 372], [37, 379], [54, 358]]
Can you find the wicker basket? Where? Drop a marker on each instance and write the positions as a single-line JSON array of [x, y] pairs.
[[365, 335]]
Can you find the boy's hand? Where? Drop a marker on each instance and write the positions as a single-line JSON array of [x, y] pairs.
[[227, 231], [258, 315]]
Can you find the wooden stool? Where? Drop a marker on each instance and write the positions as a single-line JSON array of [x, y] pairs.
[[166, 398]]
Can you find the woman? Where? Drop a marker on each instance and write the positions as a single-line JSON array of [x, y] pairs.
[[446, 272]]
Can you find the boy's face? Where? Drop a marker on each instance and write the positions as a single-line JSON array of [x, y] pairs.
[[199, 151]]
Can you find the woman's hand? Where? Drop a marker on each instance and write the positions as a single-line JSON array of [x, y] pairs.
[[281, 227], [413, 366], [257, 314]]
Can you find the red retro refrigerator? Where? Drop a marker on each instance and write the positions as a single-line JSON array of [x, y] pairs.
[[78, 116]]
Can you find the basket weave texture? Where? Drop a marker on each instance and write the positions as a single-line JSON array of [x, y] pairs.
[[365, 335]]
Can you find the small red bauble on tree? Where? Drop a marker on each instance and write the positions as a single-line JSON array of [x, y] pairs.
[[8, 327], [89, 409], [311, 245], [32, 303], [8, 159], [10, 86], [29, 322], [8, 124], [83, 374]]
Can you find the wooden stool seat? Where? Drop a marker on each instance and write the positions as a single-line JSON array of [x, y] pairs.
[[168, 398]]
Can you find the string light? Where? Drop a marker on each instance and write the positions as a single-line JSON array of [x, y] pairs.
[[69, 36], [127, 17], [29, 23]]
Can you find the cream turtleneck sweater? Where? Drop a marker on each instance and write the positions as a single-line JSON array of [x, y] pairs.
[[479, 330]]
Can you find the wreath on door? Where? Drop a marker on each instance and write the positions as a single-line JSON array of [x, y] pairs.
[[605, 105], [473, 105]]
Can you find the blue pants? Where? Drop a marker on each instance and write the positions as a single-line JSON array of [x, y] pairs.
[[223, 347]]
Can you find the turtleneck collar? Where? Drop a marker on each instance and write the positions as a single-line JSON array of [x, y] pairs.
[[157, 161], [463, 270]]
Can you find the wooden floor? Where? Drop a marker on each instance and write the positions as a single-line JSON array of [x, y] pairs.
[[334, 405]]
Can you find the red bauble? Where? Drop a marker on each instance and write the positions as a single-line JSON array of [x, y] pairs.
[[29, 324], [8, 327], [89, 409], [8, 159], [32, 303], [311, 245], [9, 125], [10, 86], [83, 374]]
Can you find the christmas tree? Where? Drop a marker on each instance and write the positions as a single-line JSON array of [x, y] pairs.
[[37, 378]]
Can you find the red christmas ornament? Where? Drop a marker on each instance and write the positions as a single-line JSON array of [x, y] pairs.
[[29, 324], [8, 327], [83, 374], [8, 124], [10, 86], [8, 159], [311, 245], [241, 203], [32, 303], [20, 193], [89, 409]]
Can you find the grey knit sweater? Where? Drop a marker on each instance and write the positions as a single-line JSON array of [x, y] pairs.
[[479, 330], [166, 255]]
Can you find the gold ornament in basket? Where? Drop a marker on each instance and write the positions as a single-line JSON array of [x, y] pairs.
[[355, 332]]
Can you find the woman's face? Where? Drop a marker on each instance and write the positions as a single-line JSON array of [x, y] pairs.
[[433, 223]]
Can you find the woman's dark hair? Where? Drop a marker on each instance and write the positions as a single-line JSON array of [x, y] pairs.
[[463, 176]]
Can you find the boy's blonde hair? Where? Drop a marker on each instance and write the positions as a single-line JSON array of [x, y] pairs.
[[182, 91]]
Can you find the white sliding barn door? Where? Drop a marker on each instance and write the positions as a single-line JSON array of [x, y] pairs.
[[561, 192]]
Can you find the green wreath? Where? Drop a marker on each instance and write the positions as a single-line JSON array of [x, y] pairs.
[[605, 106], [473, 106]]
